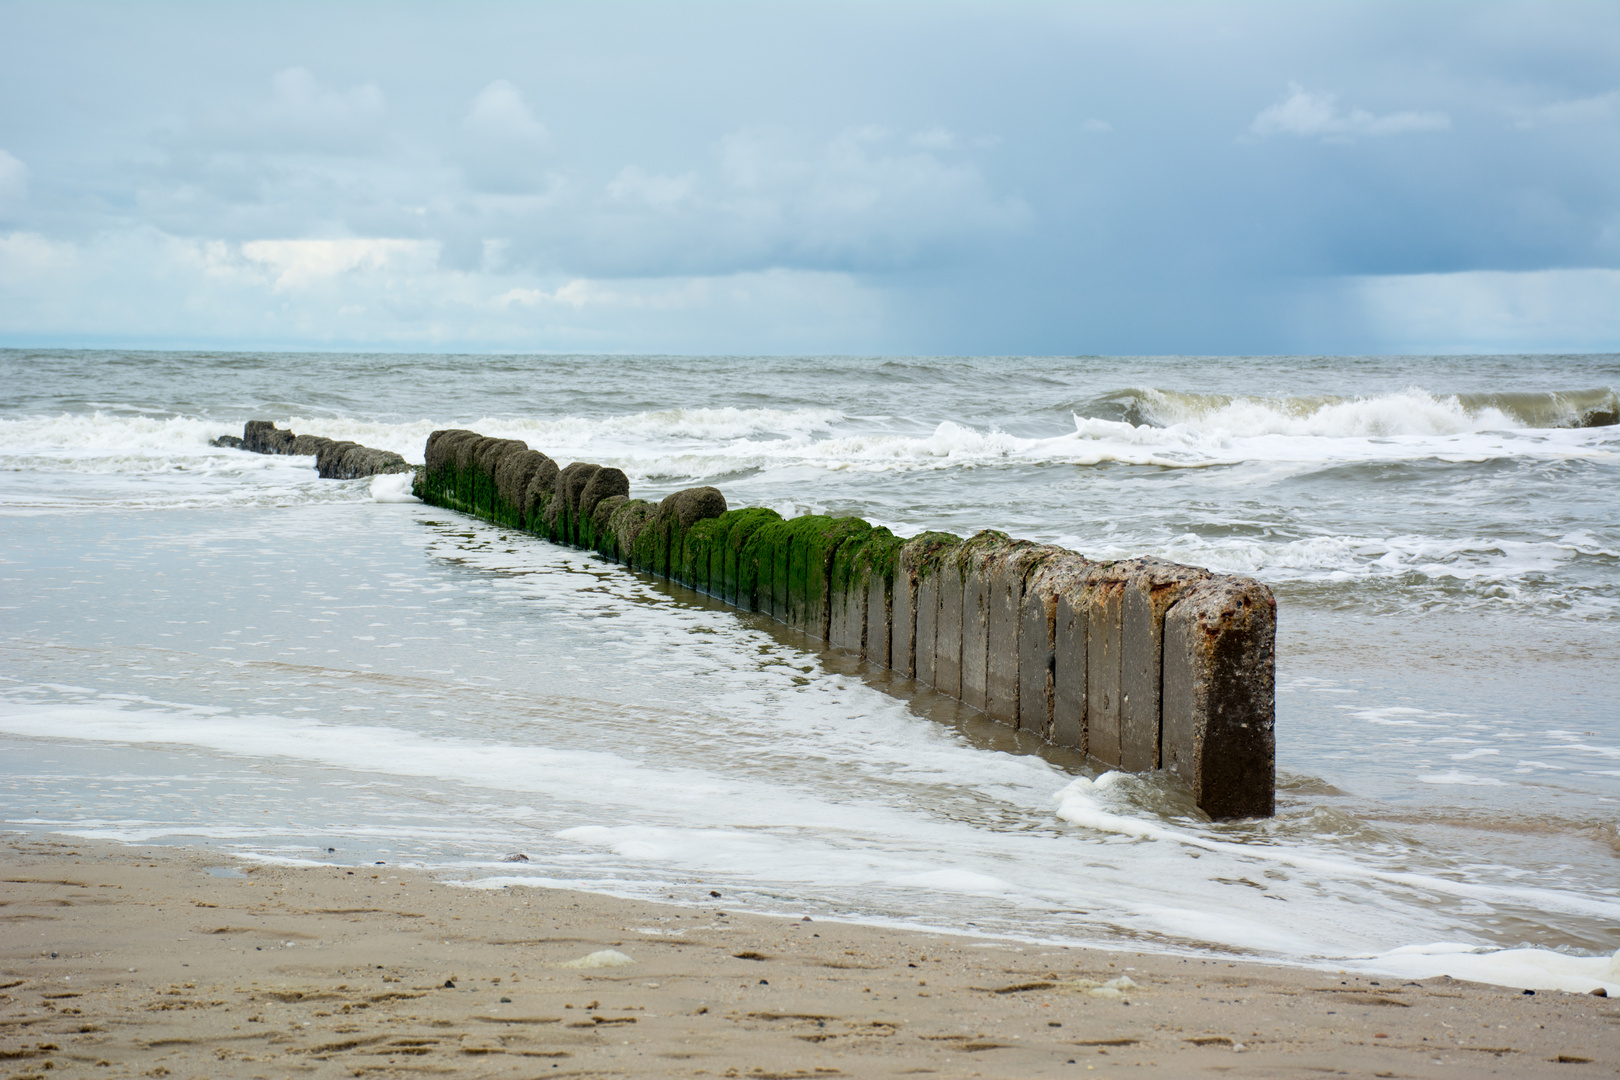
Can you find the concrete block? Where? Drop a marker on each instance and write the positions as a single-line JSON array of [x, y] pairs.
[[1151, 587], [263, 437], [947, 578], [1003, 659], [605, 483], [606, 539], [1219, 695], [627, 523], [1070, 582], [919, 563], [698, 545], [1103, 689], [537, 496], [978, 558], [903, 621], [512, 476], [763, 567], [875, 565], [307, 445], [740, 575]]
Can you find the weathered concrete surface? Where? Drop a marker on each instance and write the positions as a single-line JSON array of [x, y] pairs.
[[1151, 586], [948, 623], [627, 522], [920, 560], [875, 565], [1219, 701], [307, 445], [564, 508], [351, 461], [979, 557], [739, 576], [1107, 589], [1071, 585], [1139, 664], [263, 437], [1003, 657], [605, 483]]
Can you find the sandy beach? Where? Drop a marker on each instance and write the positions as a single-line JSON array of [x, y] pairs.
[[133, 961]]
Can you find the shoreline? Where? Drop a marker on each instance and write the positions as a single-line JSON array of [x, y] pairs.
[[128, 960]]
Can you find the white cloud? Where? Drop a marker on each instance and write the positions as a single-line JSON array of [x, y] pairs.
[[143, 286], [13, 184], [1598, 110], [1575, 310], [301, 115], [650, 189], [934, 138], [499, 113], [1309, 112], [301, 263]]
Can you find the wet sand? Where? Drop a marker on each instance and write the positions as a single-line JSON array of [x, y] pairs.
[[129, 961]]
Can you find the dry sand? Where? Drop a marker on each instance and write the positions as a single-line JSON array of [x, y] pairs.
[[122, 961]]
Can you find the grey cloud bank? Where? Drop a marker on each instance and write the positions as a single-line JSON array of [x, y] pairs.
[[904, 177]]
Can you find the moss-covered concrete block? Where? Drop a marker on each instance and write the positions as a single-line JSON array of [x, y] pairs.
[[538, 495], [605, 483], [814, 543], [1219, 703], [560, 523], [627, 523], [699, 546], [921, 560], [849, 588], [751, 554], [876, 566], [513, 472], [737, 576], [606, 541]]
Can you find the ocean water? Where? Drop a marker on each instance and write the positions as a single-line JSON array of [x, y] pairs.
[[219, 649]]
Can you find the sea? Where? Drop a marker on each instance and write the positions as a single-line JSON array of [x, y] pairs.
[[219, 650]]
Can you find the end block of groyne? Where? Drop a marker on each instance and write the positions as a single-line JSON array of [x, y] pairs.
[[1219, 704]]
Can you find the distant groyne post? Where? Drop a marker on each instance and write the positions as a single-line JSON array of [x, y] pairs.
[[1141, 664]]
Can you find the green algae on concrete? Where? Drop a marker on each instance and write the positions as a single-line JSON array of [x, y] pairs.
[[607, 541], [875, 565], [921, 559], [751, 558], [736, 587], [605, 483], [699, 547], [814, 541], [627, 523]]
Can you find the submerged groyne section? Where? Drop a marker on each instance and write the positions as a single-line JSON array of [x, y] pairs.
[[334, 459], [1141, 664]]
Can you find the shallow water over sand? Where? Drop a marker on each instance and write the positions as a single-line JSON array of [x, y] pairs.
[[205, 644]]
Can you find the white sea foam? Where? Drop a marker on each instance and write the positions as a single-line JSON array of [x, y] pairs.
[[1529, 969]]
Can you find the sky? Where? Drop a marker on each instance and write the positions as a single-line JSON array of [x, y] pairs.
[[889, 176]]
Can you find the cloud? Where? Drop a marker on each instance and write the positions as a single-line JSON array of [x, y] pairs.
[[1598, 110], [300, 115], [301, 263], [1574, 310], [500, 114], [1307, 112], [1096, 126], [144, 286], [13, 184]]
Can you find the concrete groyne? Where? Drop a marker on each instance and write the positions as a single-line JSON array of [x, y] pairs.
[[1142, 664], [334, 459]]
